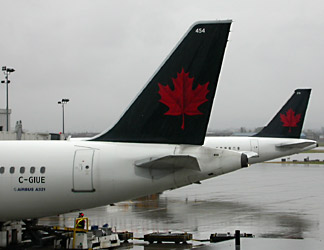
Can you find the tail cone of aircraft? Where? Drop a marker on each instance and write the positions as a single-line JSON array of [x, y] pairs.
[[244, 161]]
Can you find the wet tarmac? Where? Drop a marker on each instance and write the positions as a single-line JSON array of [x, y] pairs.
[[281, 204]]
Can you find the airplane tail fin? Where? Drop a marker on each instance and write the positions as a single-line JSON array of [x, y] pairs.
[[288, 122], [175, 105]]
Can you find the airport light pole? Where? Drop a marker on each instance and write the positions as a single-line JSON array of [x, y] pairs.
[[63, 102], [7, 72]]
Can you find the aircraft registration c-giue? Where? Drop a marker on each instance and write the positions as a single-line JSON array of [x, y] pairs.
[[155, 146]]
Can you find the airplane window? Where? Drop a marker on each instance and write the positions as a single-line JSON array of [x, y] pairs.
[[229, 147], [32, 170], [225, 147], [12, 170], [2, 169], [22, 170], [238, 148], [42, 170]]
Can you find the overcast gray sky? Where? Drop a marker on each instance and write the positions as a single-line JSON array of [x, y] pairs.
[[99, 54]]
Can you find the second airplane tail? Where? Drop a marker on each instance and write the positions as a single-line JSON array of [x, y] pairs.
[[288, 122]]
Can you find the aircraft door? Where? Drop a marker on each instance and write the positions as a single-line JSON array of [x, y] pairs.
[[83, 170], [255, 146]]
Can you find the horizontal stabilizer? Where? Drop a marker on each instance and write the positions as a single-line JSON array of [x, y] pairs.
[[296, 145], [170, 162], [250, 154]]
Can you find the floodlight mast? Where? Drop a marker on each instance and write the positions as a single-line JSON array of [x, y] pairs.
[[63, 102], [7, 72]]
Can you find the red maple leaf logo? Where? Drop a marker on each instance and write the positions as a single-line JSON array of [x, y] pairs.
[[183, 100], [290, 119]]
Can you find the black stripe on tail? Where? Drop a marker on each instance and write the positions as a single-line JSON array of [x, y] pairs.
[[288, 122], [174, 107]]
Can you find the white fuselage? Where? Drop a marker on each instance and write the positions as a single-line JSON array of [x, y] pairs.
[[265, 147], [42, 178]]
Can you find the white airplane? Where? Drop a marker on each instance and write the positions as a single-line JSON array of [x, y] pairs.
[[155, 146], [281, 137]]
